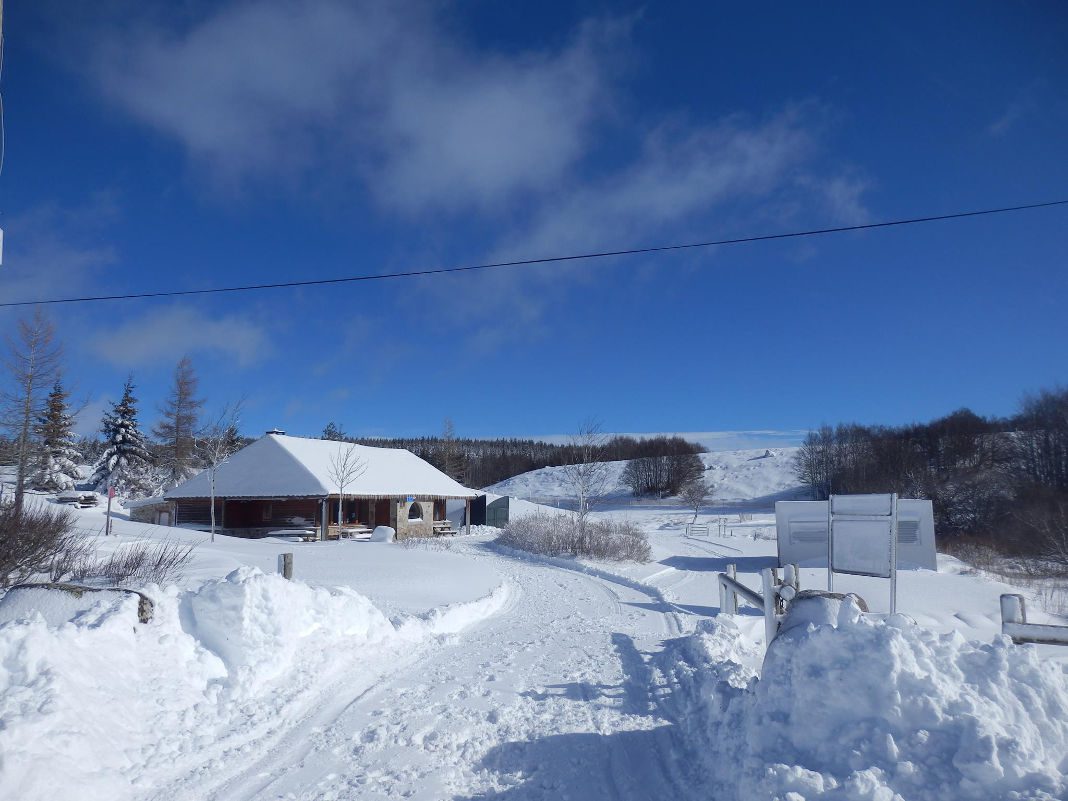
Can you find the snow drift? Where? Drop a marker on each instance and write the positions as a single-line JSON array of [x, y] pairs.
[[102, 703], [880, 711]]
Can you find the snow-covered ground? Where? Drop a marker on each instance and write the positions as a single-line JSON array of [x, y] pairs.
[[740, 480], [387, 671]]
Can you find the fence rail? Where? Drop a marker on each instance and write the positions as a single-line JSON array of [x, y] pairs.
[[1014, 624], [770, 600]]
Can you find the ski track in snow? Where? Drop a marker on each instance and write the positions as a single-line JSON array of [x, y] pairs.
[[548, 698]]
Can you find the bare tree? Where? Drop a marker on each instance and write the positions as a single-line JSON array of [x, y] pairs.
[[695, 493], [33, 364], [587, 475], [345, 467], [177, 428], [215, 444]]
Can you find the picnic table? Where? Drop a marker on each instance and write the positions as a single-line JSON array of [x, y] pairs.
[[443, 527]]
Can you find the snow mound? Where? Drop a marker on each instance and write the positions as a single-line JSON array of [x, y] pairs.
[[872, 710], [257, 623], [383, 534], [55, 605], [91, 699]]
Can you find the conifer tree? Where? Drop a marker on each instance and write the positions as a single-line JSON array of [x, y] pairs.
[[177, 429], [125, 461], [59, 459]]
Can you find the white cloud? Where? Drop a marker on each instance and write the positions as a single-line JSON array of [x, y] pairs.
[[165, 334], [683, 174], [688, 183], [55, 251], [379, 90], [87, 421]]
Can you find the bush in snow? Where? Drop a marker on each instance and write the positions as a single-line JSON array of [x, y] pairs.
[[137, 564], [31, 539], [561, 535], [867, 710], [426, 543]]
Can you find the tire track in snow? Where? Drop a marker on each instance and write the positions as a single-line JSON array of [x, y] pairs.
[[535, 702], [223, 771]]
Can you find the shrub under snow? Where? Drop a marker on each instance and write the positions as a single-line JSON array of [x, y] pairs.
[[873, 711], [561, 535]]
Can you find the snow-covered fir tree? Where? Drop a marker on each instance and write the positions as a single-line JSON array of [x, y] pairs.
[[125, 462], [58, 470]]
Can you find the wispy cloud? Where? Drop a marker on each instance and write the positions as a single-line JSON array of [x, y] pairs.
[[1019, 108], [165, 334], [382, 91], [688, 182], [52, 250]]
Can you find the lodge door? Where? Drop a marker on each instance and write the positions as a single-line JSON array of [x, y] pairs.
[[382, 513]]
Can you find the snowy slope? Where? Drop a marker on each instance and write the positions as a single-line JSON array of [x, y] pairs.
[[736, 477]]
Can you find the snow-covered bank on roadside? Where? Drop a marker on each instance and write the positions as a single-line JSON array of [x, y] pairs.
[[103, 704], [869, 710]]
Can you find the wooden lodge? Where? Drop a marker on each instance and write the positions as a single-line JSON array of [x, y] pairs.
[[289, 484]]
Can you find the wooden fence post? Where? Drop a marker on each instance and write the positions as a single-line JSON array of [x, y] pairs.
[[285, 565], [769, 578], [728, 601]]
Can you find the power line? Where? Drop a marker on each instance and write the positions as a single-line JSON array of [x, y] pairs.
[[527, 262]]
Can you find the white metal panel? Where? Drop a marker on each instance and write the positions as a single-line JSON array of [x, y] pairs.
[[862, 547], [802, 533], [882, 505]]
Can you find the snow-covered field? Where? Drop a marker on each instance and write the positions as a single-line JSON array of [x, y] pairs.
[[746, 479], [387, 671]]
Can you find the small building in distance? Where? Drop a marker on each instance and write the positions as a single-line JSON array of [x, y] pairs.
[[283, 483]]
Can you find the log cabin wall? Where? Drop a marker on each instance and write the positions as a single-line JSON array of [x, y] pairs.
[[253, 517], [197, 512], [271, 513]]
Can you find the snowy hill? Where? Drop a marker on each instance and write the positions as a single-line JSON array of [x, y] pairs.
[[737, 477]]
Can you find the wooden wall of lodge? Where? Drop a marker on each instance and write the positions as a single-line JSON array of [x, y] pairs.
[[249, 514], [279, 513]]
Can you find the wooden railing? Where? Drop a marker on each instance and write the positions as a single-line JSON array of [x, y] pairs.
[[771, 600], [1014, 624]]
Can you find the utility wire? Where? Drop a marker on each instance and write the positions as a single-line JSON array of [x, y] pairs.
[[526, 262]]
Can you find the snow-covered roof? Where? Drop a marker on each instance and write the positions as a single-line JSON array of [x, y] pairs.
[[279, 466], [138, 503]]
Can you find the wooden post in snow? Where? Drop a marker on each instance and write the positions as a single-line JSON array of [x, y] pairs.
[[467, 516], [285, 565]]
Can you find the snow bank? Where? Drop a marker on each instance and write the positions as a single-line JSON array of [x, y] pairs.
[[54, 605], [257, 624], [100, 704], [871, 710]]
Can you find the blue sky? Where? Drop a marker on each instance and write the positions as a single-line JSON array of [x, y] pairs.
[[153, 146]]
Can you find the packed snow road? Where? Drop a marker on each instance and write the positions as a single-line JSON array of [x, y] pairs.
[[549, 698]]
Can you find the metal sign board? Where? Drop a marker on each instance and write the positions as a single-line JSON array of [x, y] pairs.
[[862, 547], [801, 527], [862, 538]]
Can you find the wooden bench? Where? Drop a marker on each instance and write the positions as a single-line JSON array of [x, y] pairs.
[[348, 531], [443, 527]]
